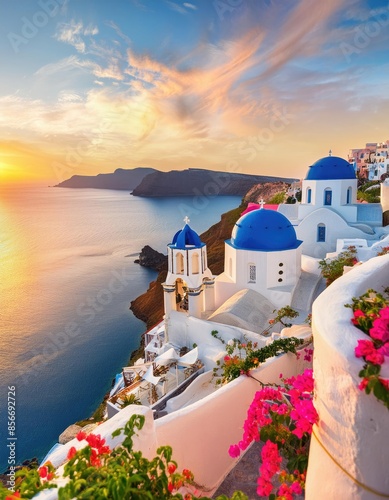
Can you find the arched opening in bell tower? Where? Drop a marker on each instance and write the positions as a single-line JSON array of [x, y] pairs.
[[181, 295]]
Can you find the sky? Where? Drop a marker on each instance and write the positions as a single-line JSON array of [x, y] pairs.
[[251, 86]]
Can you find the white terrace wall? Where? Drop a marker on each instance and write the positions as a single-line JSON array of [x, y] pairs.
[[353, 426], [199, 434]]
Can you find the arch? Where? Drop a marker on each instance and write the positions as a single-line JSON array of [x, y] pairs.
[[309, 195], [204, 261], [181, 295], [195, 263], [252, 273], [349, 195], [328, 196], [179, 263], [321, 232]]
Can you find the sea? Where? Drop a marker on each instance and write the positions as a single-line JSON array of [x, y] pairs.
[[67, 277]]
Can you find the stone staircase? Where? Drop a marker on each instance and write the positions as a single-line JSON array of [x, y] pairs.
[[307, 290]]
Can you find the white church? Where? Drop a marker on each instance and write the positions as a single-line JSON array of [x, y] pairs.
[[272, 257]]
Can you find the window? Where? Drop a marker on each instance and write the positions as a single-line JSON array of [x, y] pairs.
[[321, 232], [195, 263], [349, 191], [179, 263], [252, 273], [328, 196], [309, 195]]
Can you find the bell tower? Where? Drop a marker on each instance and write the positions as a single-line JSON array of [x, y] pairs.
[[189, 285]]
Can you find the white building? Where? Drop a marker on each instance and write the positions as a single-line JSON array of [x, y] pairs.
[[189, 282], [264, 255], [329, 210]]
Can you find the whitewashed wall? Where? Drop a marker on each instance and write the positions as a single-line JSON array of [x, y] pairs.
[[201, 433], [353, 425]]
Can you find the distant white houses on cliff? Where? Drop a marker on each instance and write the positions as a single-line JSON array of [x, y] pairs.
[[372, 161]]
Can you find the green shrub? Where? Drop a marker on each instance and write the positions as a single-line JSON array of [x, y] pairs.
[[331, 269]]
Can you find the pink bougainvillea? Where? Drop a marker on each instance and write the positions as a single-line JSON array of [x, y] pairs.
[[371, 315], [282, 417]]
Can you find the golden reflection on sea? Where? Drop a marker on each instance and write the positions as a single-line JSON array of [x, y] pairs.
[[17, 270]]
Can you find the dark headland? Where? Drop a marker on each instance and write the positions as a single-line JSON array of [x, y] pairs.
[[149, 182], [121, 179]]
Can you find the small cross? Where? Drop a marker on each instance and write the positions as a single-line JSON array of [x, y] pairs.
[[261, 202], [186, 219], [330, 152]]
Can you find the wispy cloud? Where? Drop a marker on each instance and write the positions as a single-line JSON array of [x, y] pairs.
[[189, 6], [119, 32], [181, 8], [74, 32], [71, 63]]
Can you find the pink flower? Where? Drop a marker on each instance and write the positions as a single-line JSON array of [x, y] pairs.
[[296, 488], [363, 384], [384, 349], [380, 329], [385, 383], [357, 314], [234, 451], [264, 487], [271, 460], [363, 348], [284, 492], [376, 358], [366, 349], [227, 358]]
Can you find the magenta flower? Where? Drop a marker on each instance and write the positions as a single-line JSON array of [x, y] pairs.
[[380, 329], [357, 314], [364, 348], [285, 492], [296, 488], [234, 451], [264, 487]]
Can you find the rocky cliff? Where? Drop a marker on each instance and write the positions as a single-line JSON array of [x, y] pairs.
[[149, 306], [266, 191], [149, 257], [120, 179], [198, 182]]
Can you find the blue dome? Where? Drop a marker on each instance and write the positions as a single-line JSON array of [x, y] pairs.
[[186, 237], [330, 168], [265, 230]]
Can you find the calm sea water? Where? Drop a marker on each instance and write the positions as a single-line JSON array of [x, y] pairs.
[[66, 280]]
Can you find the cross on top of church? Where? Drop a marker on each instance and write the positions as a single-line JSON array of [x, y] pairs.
[[261, 202], [186, 219], [330, 152]]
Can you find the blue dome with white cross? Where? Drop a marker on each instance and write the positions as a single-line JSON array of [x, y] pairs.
[[186, 238], [264, 230], [330, 168]]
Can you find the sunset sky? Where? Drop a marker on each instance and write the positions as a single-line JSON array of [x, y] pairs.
[[255, 86]]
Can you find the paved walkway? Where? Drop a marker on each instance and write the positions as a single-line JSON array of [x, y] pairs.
[[244, 475]]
